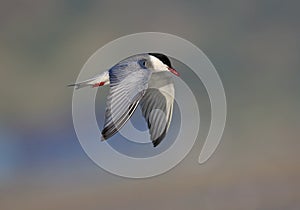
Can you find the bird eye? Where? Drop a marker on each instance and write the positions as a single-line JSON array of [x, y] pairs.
[[143, 63]]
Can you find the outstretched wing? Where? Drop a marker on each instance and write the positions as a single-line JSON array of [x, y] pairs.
[[157, 105], [128, 82]]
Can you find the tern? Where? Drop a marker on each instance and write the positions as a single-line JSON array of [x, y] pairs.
[[143, 80]]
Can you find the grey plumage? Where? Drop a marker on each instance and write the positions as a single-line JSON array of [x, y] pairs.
[[143, 79], [157, 105], [128, 82]]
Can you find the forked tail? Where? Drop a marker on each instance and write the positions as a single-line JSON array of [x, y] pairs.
[[99, 80]]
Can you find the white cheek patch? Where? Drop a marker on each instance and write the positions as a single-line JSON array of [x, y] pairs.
[[157, 65]]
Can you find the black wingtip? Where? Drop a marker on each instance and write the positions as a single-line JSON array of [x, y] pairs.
[[155, 143], [158, 140], [102, 138], [71, 85]]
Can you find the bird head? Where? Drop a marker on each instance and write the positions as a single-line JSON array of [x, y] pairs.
[[160, 62]]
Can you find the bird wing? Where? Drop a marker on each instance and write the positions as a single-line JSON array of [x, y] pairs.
[[157, 105], [128, 82]]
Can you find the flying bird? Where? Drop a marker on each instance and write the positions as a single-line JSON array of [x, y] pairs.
[[143, 80]]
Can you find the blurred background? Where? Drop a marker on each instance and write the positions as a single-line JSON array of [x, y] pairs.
[[255, 47]]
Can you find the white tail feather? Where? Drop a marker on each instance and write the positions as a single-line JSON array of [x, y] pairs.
[[101, 78]]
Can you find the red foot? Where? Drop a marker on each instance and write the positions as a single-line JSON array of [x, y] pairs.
[[99, 84]]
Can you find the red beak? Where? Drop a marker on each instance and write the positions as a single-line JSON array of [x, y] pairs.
[[173, 71]]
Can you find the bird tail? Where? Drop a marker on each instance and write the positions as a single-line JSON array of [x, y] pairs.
[[80, 84], [99, 80]]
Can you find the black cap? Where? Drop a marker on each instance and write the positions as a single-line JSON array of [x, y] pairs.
[[163, 58]]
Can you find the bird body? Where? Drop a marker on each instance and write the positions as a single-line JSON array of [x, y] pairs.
[[143, 80]]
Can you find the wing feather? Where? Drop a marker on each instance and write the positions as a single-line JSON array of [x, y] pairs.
[[128, 82], [157, 105]]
